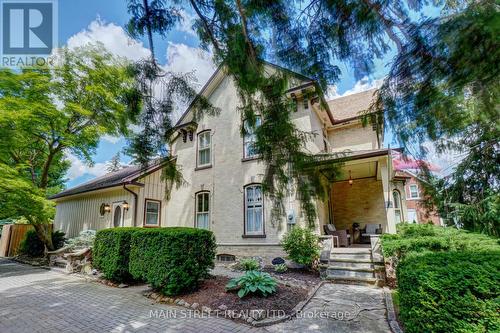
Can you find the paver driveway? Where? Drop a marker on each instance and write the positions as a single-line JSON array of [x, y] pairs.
[[38, 300]]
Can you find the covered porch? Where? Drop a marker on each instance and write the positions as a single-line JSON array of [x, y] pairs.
[[360, 198]]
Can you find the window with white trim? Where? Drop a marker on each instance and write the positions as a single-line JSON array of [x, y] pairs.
[[249, 138], [412, 216], [204, 149], [414, 191], [254, 210], [397, 206], [202, 210], [152, 213]]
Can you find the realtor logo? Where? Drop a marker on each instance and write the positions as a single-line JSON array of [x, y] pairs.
[[28, 27]]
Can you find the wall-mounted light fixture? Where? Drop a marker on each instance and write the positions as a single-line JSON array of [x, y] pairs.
[[350, 178], [125, 205], [105, 208]]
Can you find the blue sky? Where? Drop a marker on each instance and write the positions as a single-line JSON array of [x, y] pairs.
[[83, 21]]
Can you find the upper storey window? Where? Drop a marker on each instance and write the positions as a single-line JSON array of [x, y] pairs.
[[249, 149], [204, 149]]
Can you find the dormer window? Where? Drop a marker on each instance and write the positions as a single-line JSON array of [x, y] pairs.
[[249, 139], [204, 158]]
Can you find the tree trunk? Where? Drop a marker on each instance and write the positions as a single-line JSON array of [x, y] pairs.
[[44, 179], [45, 234]]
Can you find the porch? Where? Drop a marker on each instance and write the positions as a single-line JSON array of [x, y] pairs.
[[360, 195]]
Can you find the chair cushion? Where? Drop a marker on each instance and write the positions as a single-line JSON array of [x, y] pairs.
[[371, 228], [331, 227]]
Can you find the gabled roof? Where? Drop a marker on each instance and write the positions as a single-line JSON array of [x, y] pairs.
[[220, 73], [351, 106], [124, 176]]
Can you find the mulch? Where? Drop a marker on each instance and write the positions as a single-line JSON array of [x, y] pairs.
[[297, 275], [212, 293]]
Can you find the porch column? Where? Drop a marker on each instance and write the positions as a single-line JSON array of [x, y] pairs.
[[389, 206]]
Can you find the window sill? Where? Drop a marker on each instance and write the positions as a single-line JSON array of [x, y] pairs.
[[203, 167], [150, 226], [246, 159], [253, 236]]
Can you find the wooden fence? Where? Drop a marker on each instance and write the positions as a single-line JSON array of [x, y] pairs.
[[12, 236]]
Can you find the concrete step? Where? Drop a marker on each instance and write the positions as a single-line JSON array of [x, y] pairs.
[[349, 272], [351, 264], [351, 279]]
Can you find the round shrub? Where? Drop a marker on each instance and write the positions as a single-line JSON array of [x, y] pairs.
[[111, 252], [301, 245], [34, 247], [172, 260], [249, 264]]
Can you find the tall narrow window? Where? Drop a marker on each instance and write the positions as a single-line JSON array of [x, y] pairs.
[[152, 213], [413, 191], [202, 210], [249, 139], [204, 149], [397, 206], [254, 210]]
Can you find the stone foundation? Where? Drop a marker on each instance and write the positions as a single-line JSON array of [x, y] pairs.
[[266, 252]]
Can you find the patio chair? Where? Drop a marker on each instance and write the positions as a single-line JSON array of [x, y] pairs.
[[370, 229], [343, 235]]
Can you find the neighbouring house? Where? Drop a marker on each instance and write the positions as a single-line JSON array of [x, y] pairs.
[[223, 176], [417, 212]]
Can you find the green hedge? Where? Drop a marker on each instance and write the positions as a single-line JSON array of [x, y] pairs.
[[172, 260], [111, 252], [424, 237], [456, 291]]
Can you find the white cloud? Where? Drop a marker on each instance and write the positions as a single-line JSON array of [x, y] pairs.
[[113, 37], [79, 168], [186, 24], [362, 85], [112, 139]]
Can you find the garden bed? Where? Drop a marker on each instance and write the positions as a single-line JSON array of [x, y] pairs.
[[299, 277], [213, 298]]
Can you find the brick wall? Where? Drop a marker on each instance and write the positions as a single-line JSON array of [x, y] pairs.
[[361, 202]]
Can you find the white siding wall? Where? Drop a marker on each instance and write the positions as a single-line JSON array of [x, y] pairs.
[[74, 215]]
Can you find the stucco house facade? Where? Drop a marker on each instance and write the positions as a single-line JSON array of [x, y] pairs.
[[223, 176]]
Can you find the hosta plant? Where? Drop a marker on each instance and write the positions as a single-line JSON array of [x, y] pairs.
[[249, 264], [253, 282]]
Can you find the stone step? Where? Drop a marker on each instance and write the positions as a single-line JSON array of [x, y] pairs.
[[351, 279], [59, 262], [351, 264], [349, 256], [349, 272]]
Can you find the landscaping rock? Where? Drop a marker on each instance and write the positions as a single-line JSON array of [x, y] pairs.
[[222, 307], [250, 320], [258, 314], [123, 285], [187, 305], [206, 309], [278, 261], [181, 302], [195, 306]]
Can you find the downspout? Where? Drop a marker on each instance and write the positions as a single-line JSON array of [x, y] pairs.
[[135, 203]]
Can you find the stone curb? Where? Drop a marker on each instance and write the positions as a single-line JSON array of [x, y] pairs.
[[391, 314]]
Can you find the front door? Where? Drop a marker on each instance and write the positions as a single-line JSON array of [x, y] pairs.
[[117, 215]]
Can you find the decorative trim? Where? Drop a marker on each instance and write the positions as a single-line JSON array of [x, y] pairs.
[[253, 236], [208, 166], [145, 211]]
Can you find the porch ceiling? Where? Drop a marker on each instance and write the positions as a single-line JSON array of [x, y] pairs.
[[357, 170]]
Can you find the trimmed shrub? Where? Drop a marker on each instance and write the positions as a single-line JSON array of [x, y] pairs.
[[425, 237], [450, 292], [301, 245], [172, 260], [34, 247], [111, 252], [253, 282]]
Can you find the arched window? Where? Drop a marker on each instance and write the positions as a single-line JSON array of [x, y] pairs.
[[202, 215], [204, 158], [254, 210], [397, 206]]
